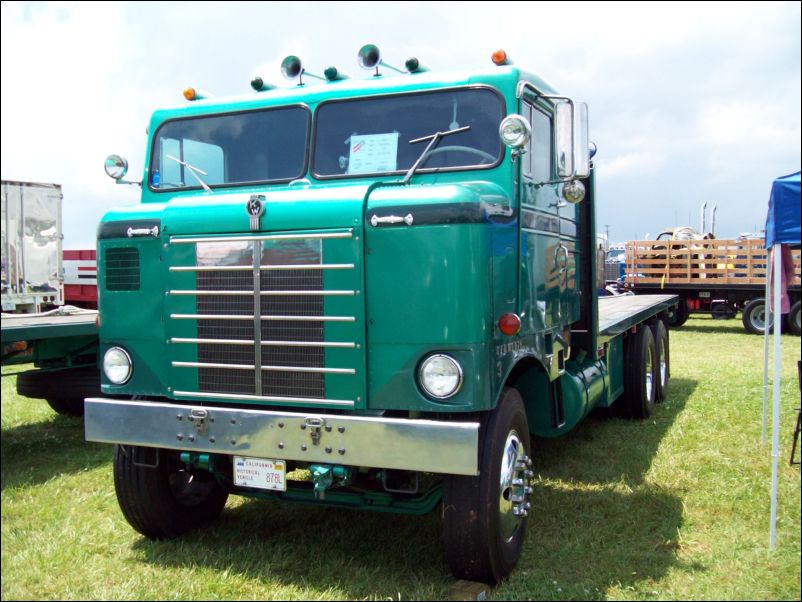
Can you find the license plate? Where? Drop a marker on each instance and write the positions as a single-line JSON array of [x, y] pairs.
[[260, 473], [704, 295]]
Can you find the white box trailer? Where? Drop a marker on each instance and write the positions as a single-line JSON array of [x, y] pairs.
[[32, 275]]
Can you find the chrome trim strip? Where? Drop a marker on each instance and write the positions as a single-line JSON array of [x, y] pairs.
[[324, 235], [266, 267], [269, 318], [266, 293], [264, 368], [405, 444], [264, 343]]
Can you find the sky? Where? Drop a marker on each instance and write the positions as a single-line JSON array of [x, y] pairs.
[[689, 102]]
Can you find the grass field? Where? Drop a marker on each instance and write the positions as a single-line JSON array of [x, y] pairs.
[[673, 508]]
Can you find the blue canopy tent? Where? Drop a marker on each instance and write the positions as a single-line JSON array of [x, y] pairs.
[[782, 228]]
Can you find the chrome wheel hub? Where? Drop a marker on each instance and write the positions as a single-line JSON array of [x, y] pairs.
[[515, 487], [649, 376]]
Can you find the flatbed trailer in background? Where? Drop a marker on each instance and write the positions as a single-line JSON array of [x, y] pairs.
[[719, 277], [62, 344]]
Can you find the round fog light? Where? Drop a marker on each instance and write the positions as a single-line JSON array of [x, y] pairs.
[[117, 365], [440, 376]]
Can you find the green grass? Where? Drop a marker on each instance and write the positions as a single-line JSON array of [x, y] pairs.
[[676, 507]]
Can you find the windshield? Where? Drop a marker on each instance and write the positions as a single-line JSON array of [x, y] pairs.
[[235, 148], [372, 135]]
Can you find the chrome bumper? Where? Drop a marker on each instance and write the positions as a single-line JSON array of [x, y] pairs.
[[404, 444]]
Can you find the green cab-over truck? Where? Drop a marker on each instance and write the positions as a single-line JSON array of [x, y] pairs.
[[362, 293]]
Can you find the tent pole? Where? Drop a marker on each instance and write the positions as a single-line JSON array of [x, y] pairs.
[[768, 314], [775, 427]]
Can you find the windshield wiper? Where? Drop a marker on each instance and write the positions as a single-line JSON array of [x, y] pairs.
[[192, 169], [435, 138]]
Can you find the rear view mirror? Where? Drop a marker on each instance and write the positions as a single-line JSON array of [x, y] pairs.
[[571, 139]]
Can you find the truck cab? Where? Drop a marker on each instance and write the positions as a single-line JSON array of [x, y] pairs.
[[383, 283]]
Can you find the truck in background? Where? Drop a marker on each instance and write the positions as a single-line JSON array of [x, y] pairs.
[[37, 327], [364, 294], [717, 277]]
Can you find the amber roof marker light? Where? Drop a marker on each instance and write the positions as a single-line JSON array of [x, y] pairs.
[[500, 57]]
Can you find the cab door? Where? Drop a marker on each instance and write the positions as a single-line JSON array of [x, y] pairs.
[[548, 231]]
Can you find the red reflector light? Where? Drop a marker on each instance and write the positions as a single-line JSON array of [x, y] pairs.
[[509, 324]]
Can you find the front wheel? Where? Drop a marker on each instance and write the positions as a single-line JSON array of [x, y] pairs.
[[159, 496], [484, 517]]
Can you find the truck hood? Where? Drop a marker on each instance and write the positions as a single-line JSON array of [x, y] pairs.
[[290, 209], [312, 208]]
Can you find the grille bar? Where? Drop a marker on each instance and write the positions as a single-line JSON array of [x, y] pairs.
[[265, 368], [266, 267], [312, 400], [264, 318], [264, 343], [266, 293]]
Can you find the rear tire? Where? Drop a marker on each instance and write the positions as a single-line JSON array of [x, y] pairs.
[[794, 324], [754, 317], [680, 315], [64, 390], [484, 517], [159, 497], [640, 375], [663, 360]]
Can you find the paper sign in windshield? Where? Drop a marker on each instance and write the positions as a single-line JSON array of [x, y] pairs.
[[373, 153]]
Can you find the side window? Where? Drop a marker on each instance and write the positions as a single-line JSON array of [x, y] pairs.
[[538, 159], [542, 143]]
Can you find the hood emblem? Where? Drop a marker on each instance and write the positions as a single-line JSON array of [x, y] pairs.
[[255, 207]]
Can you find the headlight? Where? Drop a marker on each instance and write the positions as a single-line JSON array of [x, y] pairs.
[[440, 376], [515, 131], [117, 365], [116, 166]]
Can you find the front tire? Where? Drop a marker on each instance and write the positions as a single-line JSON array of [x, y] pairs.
[[484, 517], [159, 497]]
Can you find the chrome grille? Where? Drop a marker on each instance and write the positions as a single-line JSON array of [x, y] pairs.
[[262, 309]]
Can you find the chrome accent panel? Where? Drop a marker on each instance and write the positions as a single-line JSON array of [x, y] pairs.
[[403, 444], [265, 287]]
